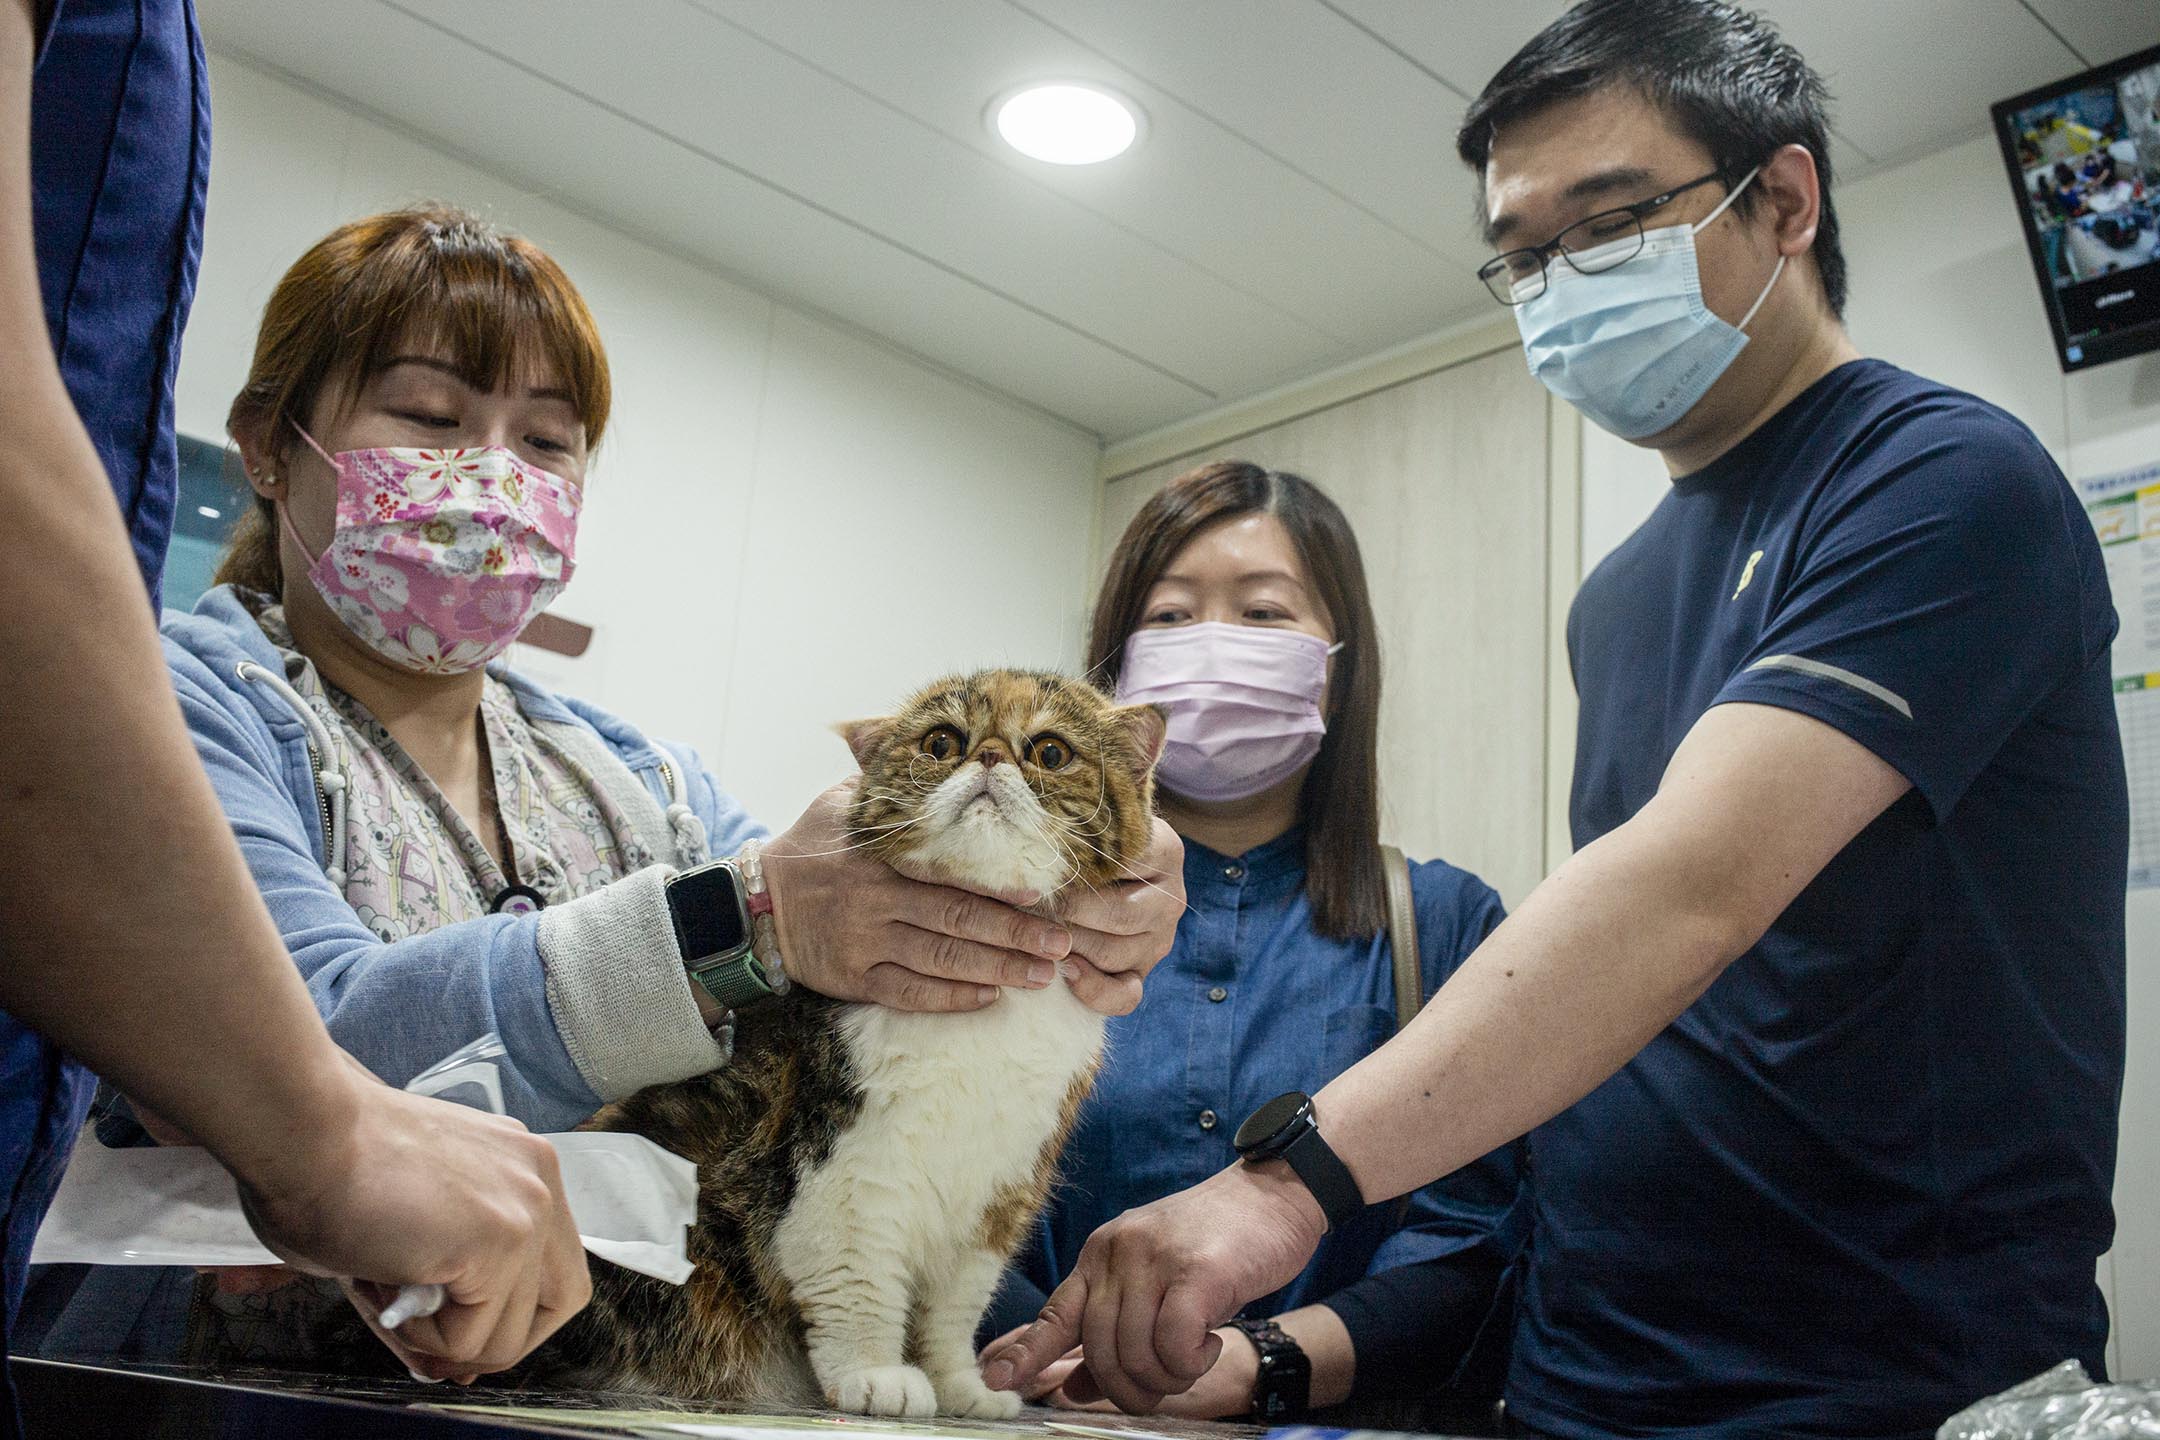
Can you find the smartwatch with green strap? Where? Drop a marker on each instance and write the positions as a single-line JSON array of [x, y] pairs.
[[714, 913]]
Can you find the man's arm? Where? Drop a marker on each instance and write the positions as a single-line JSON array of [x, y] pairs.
[[1613, 947], [131, 934], [1599, 959]]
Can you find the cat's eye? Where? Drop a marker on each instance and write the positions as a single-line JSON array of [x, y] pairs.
[[1050, 752], [943, 743]]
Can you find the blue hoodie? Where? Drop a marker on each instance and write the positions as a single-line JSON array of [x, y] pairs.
[[589, 996]]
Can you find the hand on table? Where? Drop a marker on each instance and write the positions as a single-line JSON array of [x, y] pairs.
[[412, 1190], [854, 928], [1150, 1286], [1225, 1392]]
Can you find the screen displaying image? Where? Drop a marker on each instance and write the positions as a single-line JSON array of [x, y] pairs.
[[2085, 155]]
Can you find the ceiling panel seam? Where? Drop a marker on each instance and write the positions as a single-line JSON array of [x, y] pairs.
[[805, 201], [705, 264], [2049, 26], [983, 152], [1838, 134], [1396, 50], [1228, 129]]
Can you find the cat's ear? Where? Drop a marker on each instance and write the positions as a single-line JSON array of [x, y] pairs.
[[866, 737], [1146, 726]]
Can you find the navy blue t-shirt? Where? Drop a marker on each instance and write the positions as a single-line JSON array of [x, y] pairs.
[[1864, 1179]]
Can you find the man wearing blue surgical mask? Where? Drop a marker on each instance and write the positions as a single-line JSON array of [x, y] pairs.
[[1818, 1037]]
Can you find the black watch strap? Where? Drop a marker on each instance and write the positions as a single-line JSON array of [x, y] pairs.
[[1284, 1129], [1282, 1387], [1323, 1172]]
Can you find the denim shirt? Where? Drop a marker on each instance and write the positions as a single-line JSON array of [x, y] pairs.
[[1252, 1001]]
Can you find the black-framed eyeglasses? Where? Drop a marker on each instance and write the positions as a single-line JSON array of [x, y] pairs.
[[1518, 276]]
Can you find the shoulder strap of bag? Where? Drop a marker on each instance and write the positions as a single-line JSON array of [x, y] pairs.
[[1409, 974], [1402, 937]]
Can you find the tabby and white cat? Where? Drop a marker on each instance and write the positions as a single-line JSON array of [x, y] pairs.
[[865, 1173]]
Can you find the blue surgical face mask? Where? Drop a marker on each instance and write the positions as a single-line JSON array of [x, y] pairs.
[[1633, 348]]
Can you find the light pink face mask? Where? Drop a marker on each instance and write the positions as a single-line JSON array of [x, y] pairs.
[[1243, 701], [442, 557]]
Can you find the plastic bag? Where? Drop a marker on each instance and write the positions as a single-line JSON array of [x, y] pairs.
[[468, 1075], [633, 1202], [2061, 1404]]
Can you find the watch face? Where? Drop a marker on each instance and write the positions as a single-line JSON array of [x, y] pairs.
[[1269, 1123], [709, 915]]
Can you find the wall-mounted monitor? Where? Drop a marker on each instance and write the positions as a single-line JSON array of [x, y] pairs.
[[2084, 159]]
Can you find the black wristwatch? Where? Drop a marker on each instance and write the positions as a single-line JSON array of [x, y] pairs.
[[711, 910], [1284, 1129], [1283, 1388]]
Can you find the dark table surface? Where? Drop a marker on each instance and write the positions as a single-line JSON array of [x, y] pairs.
[[64, 1399]]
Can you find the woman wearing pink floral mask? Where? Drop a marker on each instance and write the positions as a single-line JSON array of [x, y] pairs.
[[450, 849], [1237, 601]]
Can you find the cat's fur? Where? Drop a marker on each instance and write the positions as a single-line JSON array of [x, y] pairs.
[[866, 1173]]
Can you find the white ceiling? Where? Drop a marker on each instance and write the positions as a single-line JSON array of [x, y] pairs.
[[1295, 203]]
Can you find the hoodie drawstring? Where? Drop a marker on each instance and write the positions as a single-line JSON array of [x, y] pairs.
[[329, 783]]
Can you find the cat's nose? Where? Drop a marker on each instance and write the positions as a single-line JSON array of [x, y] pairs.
[[992, 755]]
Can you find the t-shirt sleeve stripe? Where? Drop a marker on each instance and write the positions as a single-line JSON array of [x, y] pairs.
[[1861, 683]]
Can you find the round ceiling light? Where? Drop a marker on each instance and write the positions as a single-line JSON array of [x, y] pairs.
[[1066, 123]]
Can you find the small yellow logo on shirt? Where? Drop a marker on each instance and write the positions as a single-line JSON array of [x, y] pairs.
[[1748, 573]]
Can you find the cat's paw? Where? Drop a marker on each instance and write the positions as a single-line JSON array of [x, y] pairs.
[[885, 1390], [964, 1393]]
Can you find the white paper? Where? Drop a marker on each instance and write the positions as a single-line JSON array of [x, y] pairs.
[[174, 1205], [2125, 511]]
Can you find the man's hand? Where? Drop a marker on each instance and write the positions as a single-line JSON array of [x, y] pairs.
[[411, 1190], [1044, 1386], [1225, 1392], [1121, 931], [854, 928], [1151, 1286]]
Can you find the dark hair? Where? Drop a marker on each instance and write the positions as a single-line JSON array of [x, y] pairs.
[[434, 273], [1724, 76], [1340, 801]]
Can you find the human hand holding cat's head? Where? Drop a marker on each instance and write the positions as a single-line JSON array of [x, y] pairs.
[[983, 794], [854, 928], [1121, 931]]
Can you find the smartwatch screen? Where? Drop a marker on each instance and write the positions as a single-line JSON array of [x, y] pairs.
[[708, 913]]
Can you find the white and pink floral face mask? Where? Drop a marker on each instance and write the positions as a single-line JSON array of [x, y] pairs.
[[442, 557]]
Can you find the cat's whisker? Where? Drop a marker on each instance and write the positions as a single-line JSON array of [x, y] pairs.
[[876, 833], [1142, 879]]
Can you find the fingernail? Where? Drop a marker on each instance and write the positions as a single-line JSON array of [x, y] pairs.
[[423, 1379], [1041, 973], [987, 994], [999, 1375], [1056, 945]]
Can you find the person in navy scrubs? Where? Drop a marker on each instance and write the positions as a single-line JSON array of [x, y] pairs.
[[131, 937], [1819, 1035]]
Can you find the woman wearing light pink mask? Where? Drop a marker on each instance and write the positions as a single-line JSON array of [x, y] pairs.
[[1237, 601], [449, 849]]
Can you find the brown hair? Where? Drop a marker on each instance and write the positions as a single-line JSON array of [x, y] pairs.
[[1340, 802], [431, 274]]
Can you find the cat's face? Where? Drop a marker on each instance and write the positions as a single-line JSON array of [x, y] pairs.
[[1010, 780]]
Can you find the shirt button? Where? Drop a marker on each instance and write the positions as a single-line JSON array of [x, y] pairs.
[[1233, 872], [1207, 1119], [1218, 994]]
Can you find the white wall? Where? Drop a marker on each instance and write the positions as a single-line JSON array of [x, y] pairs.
[[1941, 284], [789, 525]]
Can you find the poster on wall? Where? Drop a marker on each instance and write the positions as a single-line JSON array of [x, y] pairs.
[[2125, 511]]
